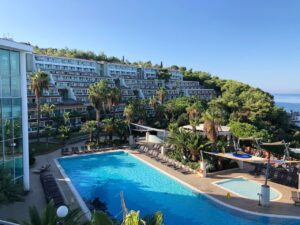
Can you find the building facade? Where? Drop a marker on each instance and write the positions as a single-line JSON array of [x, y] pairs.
[[14, 149], [70, 79]]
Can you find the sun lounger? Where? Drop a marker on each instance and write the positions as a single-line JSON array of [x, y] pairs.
[[65, 151], [51, 190], [43, 169]]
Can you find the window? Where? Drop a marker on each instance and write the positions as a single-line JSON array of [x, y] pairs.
[[15, 64], [15, 87], [6, 108], [4, 63]]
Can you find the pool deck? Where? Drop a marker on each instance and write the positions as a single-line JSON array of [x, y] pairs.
[[284, 206]]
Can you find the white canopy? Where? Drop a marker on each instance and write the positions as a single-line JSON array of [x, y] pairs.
[[222, 130]]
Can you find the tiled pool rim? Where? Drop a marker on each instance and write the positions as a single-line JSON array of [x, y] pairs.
[[216, 183], [88, 214]]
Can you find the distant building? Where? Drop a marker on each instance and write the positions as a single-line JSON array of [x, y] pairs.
[[14, 150], [70, 79]]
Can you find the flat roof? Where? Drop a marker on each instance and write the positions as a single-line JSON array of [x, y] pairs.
[[18, 46]]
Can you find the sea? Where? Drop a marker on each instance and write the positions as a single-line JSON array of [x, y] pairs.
[[290, 102]]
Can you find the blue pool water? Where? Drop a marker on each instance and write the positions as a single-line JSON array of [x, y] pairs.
[[245, 188], [148, 190]]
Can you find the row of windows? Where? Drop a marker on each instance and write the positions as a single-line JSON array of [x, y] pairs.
[[64, 61], [121, 67], [59, 67], [72, 78], [74, 73]]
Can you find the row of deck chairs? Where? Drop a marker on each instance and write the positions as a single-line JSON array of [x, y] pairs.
[[82, 150], [75, 150], [155, 154], [51, 189]]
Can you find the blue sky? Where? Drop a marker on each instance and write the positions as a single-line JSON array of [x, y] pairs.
[[254, 41]]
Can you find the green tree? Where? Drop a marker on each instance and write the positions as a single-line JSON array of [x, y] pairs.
[[161, 93], [213, 118], [66, 118], [109, 127], [121, 129], [48, 131], [89, 127], [39, 83], [48, 110], [194, 111], [163, 74], [113, 97], [128, 114], [64, 133], [188, 143], [97, 94], [153, 102], [245, 130]]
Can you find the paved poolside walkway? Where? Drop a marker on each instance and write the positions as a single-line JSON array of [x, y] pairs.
[[284, 206]]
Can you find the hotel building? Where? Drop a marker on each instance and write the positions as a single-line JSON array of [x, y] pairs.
[[70, 79], [14, 152]]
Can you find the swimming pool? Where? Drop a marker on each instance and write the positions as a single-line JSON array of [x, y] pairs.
[[149, 190], [245, 188]]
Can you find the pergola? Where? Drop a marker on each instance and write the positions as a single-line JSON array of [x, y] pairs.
[[159, 138]]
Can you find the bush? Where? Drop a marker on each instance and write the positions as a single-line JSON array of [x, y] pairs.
[[9, 191]]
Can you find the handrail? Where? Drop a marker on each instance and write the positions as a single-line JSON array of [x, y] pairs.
[[2, 222]]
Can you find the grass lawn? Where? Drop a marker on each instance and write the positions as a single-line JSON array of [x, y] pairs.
[[41, 148]]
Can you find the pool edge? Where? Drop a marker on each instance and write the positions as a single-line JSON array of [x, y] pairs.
[[215, 183], [88, 213]]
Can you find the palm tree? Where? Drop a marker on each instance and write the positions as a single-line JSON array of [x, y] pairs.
[[97, 94], [39, 83], [49, 216], [64, 133], [161, 92], [178, 138], [47, 130], [121, 129], [75, 217], [153, 102], [194, 111], [9, 190], [128, 114], [190, 144], [66, 118], [109, 127], [195, 145], [48, 110], [213, 118], [89, 127], [113, 98]]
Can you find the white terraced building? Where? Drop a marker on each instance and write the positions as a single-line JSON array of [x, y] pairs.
[[70, 79]]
